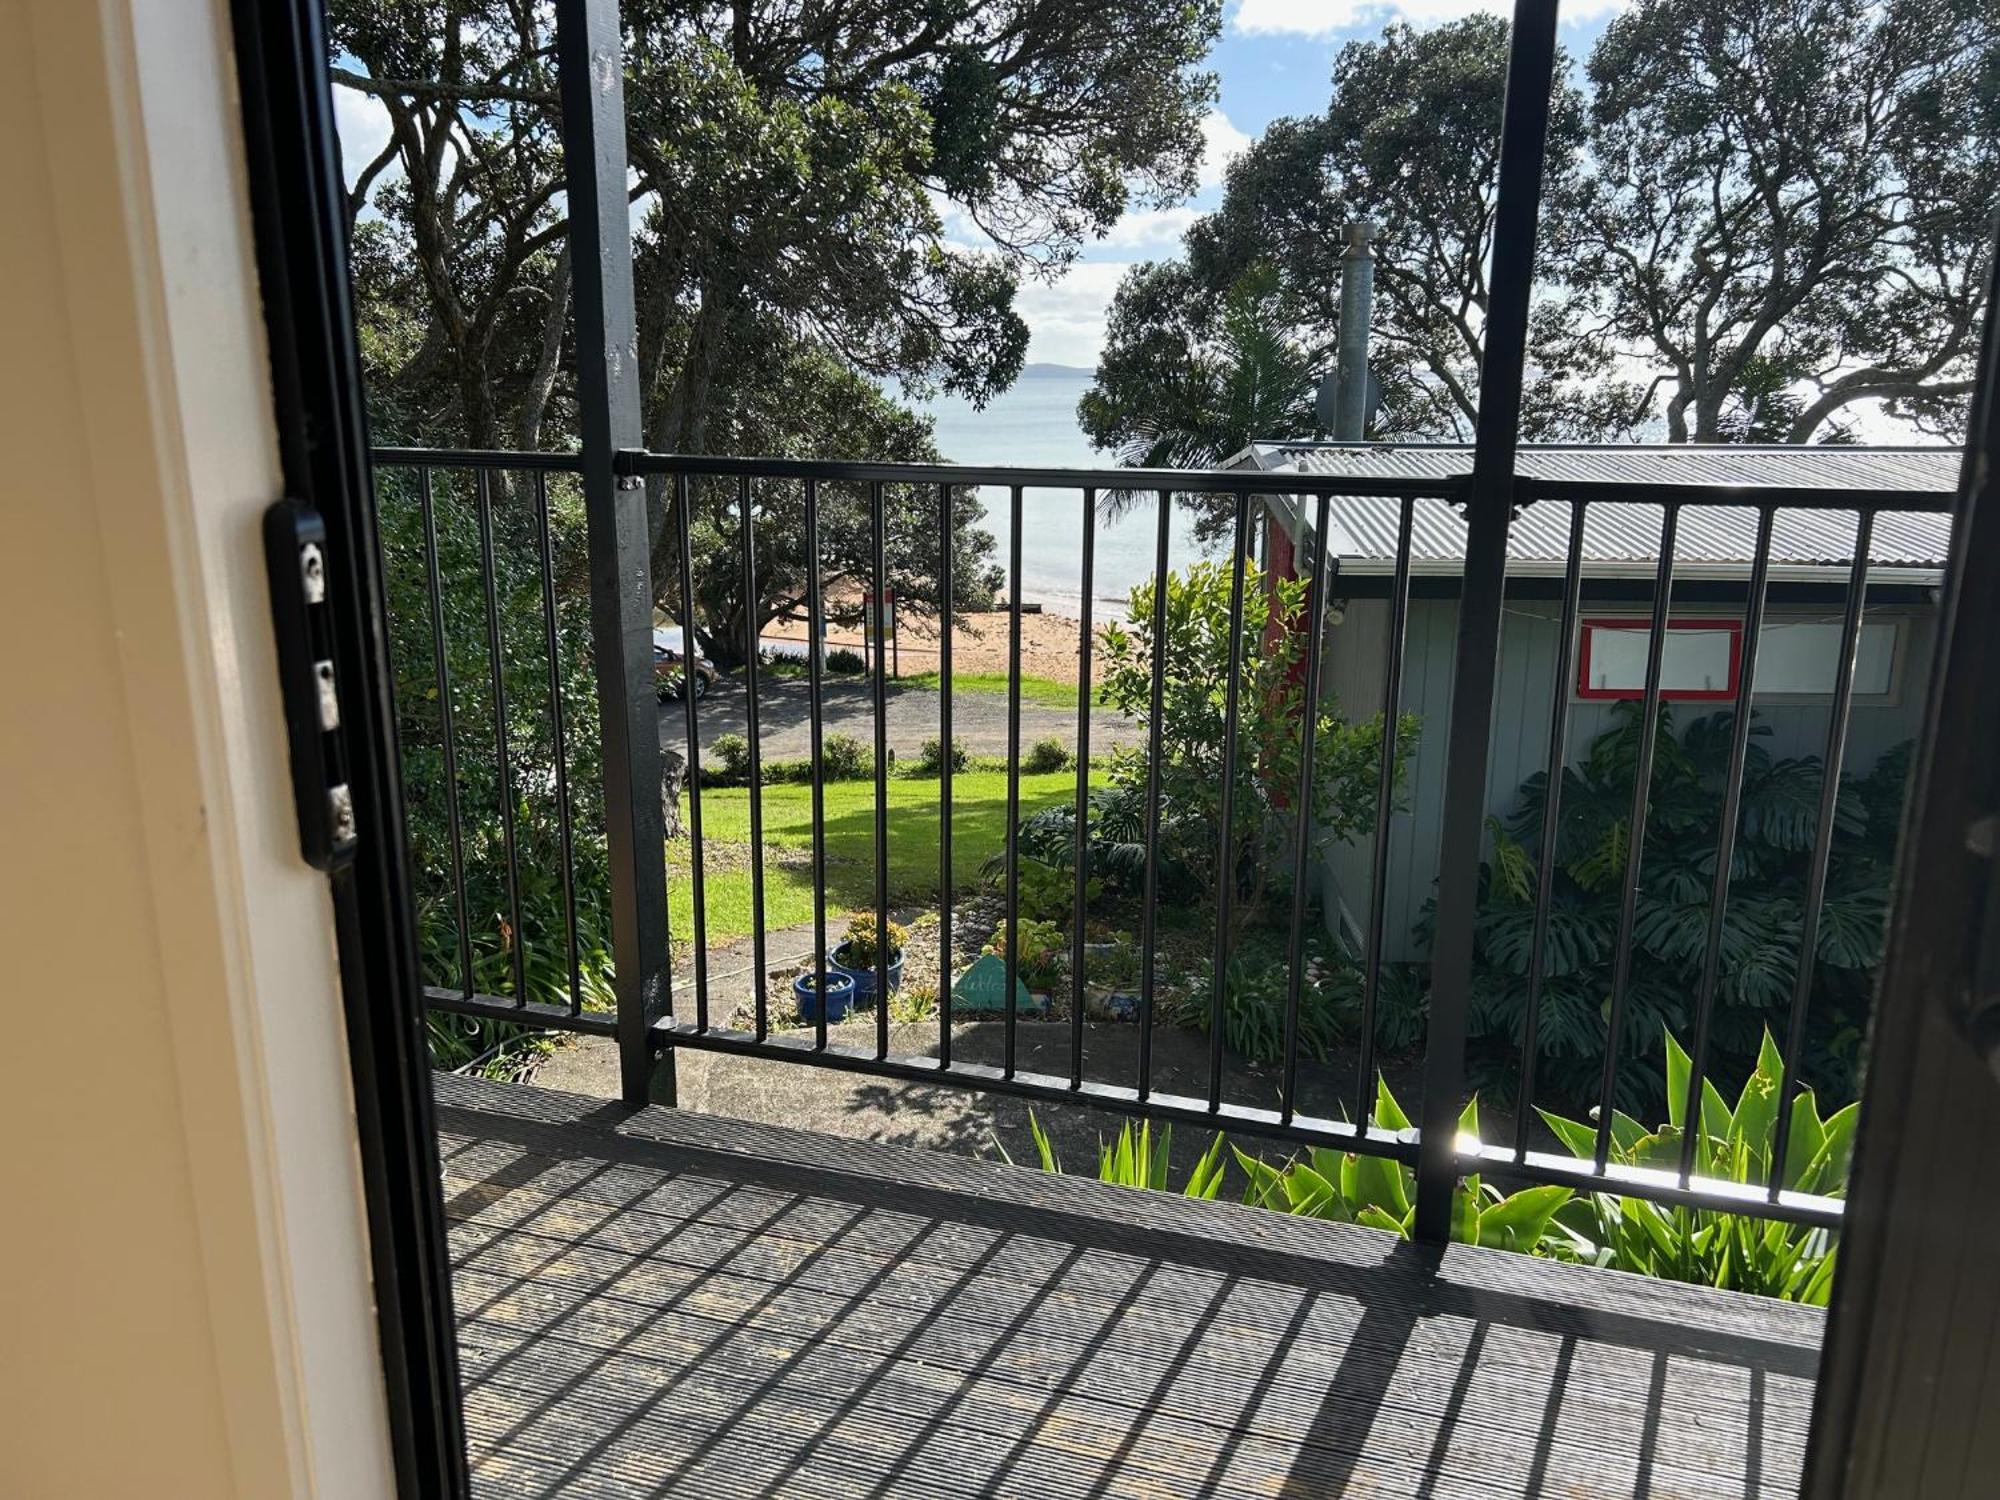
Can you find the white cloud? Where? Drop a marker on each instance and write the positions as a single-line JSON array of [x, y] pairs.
[[1221, 143], [1329, 18], [362, 122], [1066, 320], [1150, 229]]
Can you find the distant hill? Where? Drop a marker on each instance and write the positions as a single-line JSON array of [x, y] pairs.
[[1048, 372]]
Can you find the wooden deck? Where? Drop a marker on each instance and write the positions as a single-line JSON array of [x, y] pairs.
[[670, 1303]]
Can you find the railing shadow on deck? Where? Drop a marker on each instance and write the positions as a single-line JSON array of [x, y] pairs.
[[1073, 1287]]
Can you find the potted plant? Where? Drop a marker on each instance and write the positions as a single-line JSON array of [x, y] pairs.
[[855, 956], [1111, 978], [839, 995]]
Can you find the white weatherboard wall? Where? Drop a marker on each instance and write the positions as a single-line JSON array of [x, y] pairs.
[[1356, 650]]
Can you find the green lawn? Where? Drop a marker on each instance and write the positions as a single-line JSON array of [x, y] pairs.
[[1043, 690], [978, 830]]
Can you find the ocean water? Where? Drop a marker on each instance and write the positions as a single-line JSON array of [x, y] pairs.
[[1034, 423]]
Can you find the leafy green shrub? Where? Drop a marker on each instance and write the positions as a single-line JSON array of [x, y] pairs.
[[1048, 891], [1373, 1190], [842, 758], [842, 662], [1730, 1251], [1042, 958], [1255, 991], [1348, 1187], [914, 1003], [1271, 715], [860, 938], [1762, 922], [1137, 1159], [1736, 1252], [931, 761], [732, 752], [1045, 756], [1115, 845], [492, 934]]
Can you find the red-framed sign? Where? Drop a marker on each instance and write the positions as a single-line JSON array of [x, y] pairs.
[[1702, 663]]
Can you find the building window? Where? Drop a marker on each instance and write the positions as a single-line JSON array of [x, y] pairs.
[[1800, 658], [1701, 661], [1796, 658]]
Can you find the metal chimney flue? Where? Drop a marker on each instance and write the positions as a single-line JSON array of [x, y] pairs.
[[1357, 304]]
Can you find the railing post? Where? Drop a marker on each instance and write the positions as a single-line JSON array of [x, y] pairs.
[[590, 65], [1489, 510]]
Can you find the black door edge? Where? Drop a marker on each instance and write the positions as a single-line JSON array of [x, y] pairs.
[[296, 198]]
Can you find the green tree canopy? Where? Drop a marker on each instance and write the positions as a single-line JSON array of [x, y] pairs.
[[1756, 215], [1787, 208], [793, 161], [1181, 388], [797, 400], [789, 159]]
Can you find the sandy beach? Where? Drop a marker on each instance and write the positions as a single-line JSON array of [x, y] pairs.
[[1049, 644]]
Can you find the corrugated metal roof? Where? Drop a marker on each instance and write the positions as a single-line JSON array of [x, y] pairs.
[[1930, 470], [1618, 534]]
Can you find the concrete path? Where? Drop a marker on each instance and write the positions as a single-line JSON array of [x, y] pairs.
[[970, 1124]]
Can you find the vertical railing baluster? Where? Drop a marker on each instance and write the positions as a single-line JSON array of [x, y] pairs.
[[1822, 855], [1545, 870], [564, 831], [691, 715], [760, 981], [433, 581], [1012, 877], [1150, 907], [1725, 851], [1635, 845], [1225, 844], [496, 661], [1321, 584], [1082, 829], [946, 876], [880, 523], [1385, 795], [815, 682]]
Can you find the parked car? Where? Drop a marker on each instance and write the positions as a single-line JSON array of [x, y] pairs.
[[670, 677]]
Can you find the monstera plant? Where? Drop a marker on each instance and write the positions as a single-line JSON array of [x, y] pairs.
[[1761, 929]]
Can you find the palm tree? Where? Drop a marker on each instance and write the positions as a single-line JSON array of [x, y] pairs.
[[1252, 377]]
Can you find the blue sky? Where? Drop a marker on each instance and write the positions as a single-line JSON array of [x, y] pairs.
[[1275, 58]]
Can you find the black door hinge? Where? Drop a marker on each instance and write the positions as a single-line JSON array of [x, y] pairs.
[[295, 556]]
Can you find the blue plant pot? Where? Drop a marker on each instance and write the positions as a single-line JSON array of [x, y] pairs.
[[839, 994], [864, 978]]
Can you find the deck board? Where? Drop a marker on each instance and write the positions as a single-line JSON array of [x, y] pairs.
[[667, 1303]]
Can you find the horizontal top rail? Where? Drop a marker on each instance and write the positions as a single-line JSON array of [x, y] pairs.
[[1527, 488], [1779, 497], [1180, 481], [479, 458]]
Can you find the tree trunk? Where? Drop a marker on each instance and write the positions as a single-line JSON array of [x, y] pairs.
[[535, 402], [673, 776]]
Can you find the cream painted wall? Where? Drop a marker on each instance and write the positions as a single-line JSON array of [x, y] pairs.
[[184, 1300]]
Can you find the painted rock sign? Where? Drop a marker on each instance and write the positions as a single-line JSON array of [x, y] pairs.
[[983, 987]]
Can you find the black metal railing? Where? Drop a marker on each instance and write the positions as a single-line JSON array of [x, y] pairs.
[[1438, 1157]]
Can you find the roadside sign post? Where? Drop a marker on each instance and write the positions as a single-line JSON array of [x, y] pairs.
[[878, 621]]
